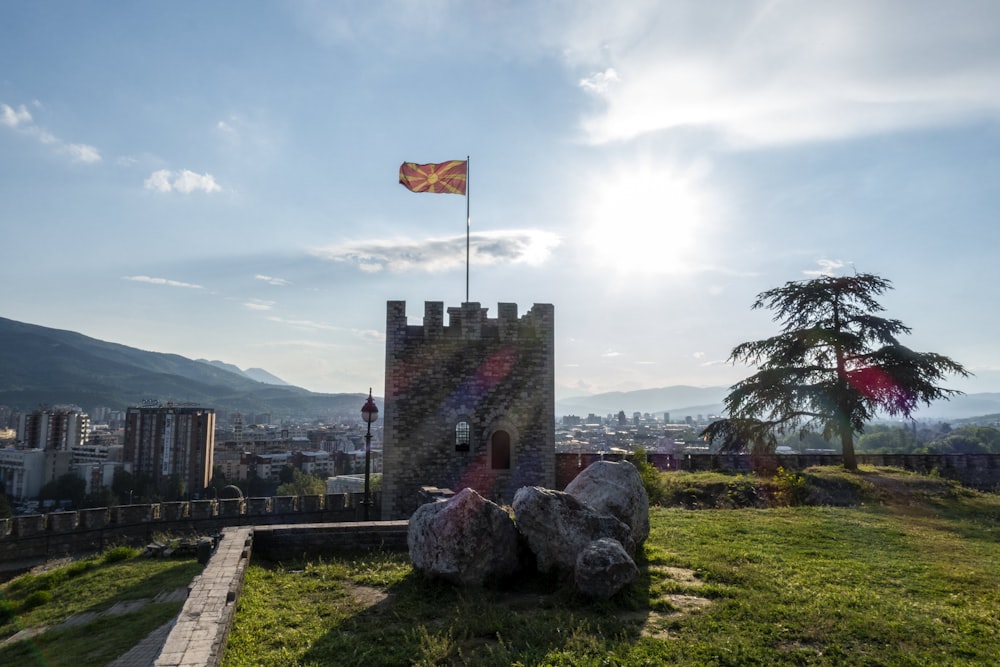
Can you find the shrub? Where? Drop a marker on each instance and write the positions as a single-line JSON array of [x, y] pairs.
[[652, 479], [118, 554], [36, 599], [742, 492], [6, 612], [791, 488]]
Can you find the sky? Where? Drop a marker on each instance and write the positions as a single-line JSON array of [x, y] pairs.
[[220, 179]]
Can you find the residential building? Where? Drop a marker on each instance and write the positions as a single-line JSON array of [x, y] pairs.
[[171, 444], [59, 428], [23, 472]]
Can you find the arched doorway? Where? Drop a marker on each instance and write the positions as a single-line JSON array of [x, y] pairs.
[[500, 450]]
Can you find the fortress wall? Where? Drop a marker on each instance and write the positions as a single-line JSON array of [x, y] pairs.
[[29, 540]]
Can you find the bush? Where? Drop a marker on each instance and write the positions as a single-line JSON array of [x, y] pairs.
[[36, 599], [6, 612], [652, 479], [742, 492], [118, 554], [791, 487]]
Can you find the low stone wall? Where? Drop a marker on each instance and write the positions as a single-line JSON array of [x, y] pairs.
[[32, 539], [978, 471], [283, 543]]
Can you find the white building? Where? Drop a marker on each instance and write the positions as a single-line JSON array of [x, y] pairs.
[[24, 472]]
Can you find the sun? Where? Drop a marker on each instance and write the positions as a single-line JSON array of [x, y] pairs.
[[647, 220]]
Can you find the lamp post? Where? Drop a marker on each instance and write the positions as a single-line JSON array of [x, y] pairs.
[[369, 412]]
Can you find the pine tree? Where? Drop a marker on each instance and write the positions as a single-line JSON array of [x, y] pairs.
[[834, 365]]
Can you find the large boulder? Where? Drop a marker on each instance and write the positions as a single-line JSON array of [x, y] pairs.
[[557, 527], [615, 489], [466, 540], [603, 568]]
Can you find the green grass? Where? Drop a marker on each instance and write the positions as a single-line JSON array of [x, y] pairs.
[[92, 585], [909, 577]]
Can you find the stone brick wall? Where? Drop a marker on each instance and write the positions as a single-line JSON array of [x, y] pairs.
[[32, 539], [496, 375]]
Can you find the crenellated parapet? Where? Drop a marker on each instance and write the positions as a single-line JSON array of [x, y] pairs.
[[469, 321]]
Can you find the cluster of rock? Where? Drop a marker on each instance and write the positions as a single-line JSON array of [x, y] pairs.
[[201, 546], [589, 533]]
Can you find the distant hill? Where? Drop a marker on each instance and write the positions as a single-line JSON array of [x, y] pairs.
[[39, 365], [682, 401], [257, 374]]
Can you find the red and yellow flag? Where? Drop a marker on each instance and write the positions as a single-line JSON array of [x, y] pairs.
[[447, 177]]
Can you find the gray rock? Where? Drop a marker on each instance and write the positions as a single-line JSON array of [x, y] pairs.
[[557, 527], [603, 568], [466, 540], [615, 489]]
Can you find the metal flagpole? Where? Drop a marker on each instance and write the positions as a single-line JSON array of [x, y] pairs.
[[468, 226]]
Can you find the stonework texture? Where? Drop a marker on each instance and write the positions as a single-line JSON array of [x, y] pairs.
[[470, 404]]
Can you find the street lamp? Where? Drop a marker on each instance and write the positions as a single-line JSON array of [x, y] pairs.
[[369, 412]]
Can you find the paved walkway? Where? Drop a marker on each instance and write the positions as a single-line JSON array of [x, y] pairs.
[[198, 635]]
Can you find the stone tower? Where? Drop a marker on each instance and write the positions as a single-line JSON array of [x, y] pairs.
[[470, 404]]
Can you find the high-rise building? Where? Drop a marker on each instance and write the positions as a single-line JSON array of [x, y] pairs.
[[169, 445], [59, 428]]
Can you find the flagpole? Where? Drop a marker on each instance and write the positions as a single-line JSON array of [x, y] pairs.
[[468, 226]]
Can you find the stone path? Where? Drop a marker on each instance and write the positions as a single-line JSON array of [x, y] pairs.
[[198, 635]]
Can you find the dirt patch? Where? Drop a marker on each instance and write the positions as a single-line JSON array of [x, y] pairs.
[[367, 596], [681, 575]]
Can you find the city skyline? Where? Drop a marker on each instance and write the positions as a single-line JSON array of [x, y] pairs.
[[220, 181]]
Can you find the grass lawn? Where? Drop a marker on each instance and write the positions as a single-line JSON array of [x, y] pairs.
[[68, 606], [909, 577]]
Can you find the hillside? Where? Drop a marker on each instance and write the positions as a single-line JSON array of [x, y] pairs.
[[39, 365]]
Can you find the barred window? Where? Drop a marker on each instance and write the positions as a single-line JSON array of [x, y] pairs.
[[462, 436]]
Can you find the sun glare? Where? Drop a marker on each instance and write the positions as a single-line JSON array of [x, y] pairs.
[[647, 220]]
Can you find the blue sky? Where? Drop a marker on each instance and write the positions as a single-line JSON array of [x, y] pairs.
[[219, 180]]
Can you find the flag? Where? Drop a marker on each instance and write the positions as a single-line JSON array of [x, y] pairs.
[[447, 177]]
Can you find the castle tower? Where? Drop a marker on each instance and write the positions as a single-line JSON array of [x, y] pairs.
[[470, 404]]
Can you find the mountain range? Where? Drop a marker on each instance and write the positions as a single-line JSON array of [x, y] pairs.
[[43, 366], [683, 401]]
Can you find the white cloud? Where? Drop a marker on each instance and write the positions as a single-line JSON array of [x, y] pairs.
[[228, 131], [183, 180], [827, 267], [83, 153], [161, 281], [369, 334], [21, 120], [765, 73], [531, 247], [271, 280], [14, 117], [601, 82], [305, 324], [258, 304]]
